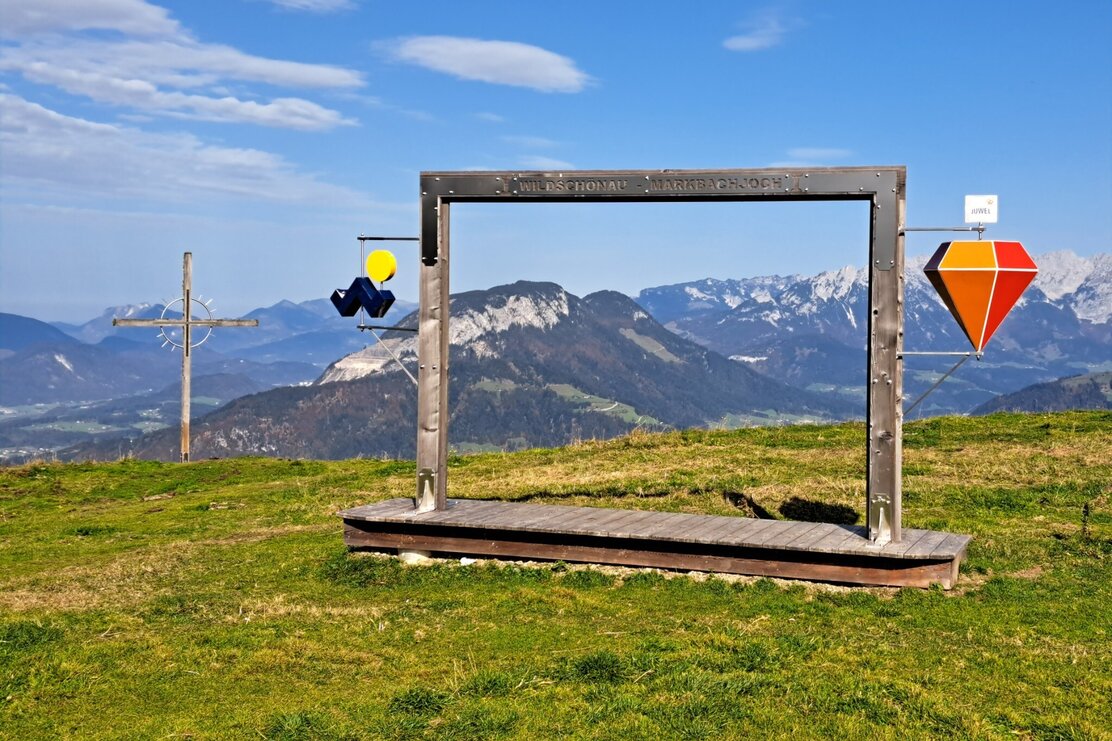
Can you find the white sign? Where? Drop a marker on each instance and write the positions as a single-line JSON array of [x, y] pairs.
[[981, 209]]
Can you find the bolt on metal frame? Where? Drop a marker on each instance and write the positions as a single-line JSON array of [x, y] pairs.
[[884, 188]]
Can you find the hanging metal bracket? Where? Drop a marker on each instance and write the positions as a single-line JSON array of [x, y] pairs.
[[980, 229]]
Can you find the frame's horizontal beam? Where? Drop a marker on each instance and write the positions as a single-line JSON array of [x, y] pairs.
[[764, 184], [181, 322]]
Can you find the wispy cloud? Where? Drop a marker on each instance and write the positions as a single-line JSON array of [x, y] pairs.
[[497, 62], [762, 32], [160, 69], [818, 153], [46, 151], [490, 117], [813, 157], [530, 142], [544, 163], [134, 17], [315, 6]]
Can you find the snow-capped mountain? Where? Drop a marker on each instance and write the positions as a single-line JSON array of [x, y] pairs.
[[810, 330], [1092, 299], [474, 328], [604, 343], [531, 364]]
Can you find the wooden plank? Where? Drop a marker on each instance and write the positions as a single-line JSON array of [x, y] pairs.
[[632, 525], [668, 523], [804, 541], [690, 529], [836, 541], [499, 522], [510, 514], [749, 532], [886, 572], [923, 547], [911, 537], [788, 534], [757, 536], [721, 527], [544, 518], [480, 511], [596, 524], [952, 546], [571, 520], [775, 532], [378, 509]]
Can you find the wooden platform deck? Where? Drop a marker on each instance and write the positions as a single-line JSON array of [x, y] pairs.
[[737, 545]]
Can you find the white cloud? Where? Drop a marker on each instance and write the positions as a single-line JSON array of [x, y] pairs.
[[46, 151], [498, 62], [315, 6], [764, 32], [530, 142], [490, 117], [812, 157], [171, 75], [136, 17], [544, 163], [818, 153]]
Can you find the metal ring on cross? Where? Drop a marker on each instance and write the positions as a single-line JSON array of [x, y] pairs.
[[170, 340]]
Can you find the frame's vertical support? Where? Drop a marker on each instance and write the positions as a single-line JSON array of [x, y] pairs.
[[186, 359], [432, 356], [897, 431], [885, 380]]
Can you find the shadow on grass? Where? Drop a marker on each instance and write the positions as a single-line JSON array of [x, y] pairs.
[[807, 510]]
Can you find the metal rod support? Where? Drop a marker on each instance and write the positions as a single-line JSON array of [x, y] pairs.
[[361, 238], [980, 228], [395, 357], [959, 352], [937, 383], [362, 327]]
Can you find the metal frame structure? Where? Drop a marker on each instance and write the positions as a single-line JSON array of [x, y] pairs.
[[882, 187]]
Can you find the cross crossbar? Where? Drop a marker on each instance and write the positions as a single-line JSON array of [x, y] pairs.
[[187, 322]]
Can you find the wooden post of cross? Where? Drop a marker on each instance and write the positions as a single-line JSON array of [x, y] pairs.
[[186, 323]]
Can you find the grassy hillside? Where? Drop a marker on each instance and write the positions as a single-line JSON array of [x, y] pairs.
[[215, 599]]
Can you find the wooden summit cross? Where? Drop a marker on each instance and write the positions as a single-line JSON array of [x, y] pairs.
[[187, 322]]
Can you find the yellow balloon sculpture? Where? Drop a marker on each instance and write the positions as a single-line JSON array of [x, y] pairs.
[[381, 265]]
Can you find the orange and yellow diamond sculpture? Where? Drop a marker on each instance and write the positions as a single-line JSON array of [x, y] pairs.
[[980, 282]]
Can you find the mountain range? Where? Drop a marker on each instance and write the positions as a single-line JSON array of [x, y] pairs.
[[810, 330], [535, 365], [1086, 391], [60, 383], [532, 365]]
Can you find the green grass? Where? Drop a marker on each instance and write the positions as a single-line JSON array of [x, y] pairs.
[[215, 599], [594, 403]]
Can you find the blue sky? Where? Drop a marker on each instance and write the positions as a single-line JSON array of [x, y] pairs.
[[265, 135]]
